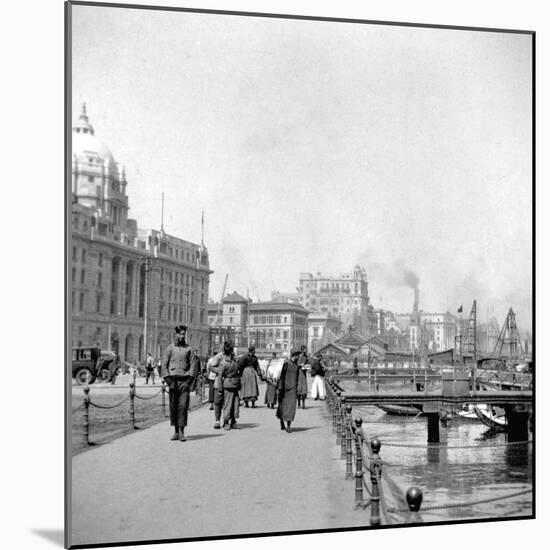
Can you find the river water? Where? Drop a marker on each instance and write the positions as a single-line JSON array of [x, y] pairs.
[[470, 464]]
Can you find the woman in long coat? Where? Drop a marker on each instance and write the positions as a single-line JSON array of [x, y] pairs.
[[249, 368], [231, 384], [302, 361], [287, 388]]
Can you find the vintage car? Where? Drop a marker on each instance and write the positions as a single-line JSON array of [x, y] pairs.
[[88, 365]]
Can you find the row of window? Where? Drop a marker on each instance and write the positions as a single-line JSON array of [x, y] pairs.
[[179, 254]]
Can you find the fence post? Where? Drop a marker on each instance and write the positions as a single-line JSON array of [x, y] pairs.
[[375, 471], [132, 408], [86, 413], [343, 429], [339, 420], [349, 454], [358, 463], [163, 397]]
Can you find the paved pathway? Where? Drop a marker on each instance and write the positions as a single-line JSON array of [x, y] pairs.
[[252, 479]]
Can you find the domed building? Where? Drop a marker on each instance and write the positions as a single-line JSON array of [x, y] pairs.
[[129, 286]]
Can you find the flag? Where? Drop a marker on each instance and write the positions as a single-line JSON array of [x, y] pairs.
[[460, 309]]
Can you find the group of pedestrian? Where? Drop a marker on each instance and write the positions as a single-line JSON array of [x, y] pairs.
[[232, 380]]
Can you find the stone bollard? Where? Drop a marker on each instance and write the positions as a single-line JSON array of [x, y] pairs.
[[132, 408], [358, 463], [86, 413], [163, 397], [349, 453], [414, 498], [375, 473]]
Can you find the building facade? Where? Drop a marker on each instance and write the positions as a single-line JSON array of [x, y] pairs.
[[322, 329], [230, 321], [440, 331], [129, 286], [345, 297]]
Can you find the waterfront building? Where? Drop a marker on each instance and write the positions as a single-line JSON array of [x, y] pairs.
[[293, 297], [440, 330], [276, 326], [322, 328], [230, 321], [344, 296], [129, 286]]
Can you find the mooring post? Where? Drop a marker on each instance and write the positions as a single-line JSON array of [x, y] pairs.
[[86, 389], [349, 452], [375, 472], [358, 463], [433, 427], [132, 408], [414, 501], [518, 423]]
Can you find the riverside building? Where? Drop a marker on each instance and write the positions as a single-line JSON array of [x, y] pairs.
[[129, 286]]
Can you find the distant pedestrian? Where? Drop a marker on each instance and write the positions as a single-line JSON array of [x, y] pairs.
[[231, 384], [249, 369], [287, 388], [159, 366], [271, 386], [178, 373], [211, 376], [318, 373], [355, 367], [149, 369], [303, 363]]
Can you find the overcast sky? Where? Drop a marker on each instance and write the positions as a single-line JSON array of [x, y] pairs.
[[314, 146]]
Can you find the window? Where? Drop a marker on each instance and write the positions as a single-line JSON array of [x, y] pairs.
[[83, 255], [81, 302], [74, 275], [285, 319], [99, 280], [82, 276], [74, 253], [98, 303], [91, 178], [255, 319], [264, 319], [230, 320], [72, 300], [315, 331], [270, 321], [285, 335], [100, 260], [278, 319]]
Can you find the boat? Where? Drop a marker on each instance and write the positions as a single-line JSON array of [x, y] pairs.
[[468, 412], [491, 418], [403, 410]]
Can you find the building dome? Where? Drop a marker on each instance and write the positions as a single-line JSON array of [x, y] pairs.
[[87, 148]]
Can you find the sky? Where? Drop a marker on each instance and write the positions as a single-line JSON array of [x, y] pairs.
[[315, 146]]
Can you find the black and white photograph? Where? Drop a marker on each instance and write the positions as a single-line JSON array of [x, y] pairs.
[[299, 274]]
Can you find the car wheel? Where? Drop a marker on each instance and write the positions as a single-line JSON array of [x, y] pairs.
[[105, 375], [84, 375]]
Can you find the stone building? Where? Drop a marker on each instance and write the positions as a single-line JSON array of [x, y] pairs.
[[345, 296], [322, 329], [229, 321], [129, 286]]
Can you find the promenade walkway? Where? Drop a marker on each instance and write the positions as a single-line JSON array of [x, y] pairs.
[[252, 479]]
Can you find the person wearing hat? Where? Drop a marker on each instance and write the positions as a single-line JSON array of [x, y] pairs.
[[178, 373], [287, 390], [318, 372], [303, 363], [230, 382], [249, 368]]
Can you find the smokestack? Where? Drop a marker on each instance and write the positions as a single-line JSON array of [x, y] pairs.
[[415, 305]]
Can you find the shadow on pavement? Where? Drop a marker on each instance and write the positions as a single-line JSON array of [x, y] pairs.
[[53, 535], [305, 429], [201, 436], [246, 425]]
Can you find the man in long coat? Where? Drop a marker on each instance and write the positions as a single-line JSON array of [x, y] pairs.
[[179, 374], [287, 391]]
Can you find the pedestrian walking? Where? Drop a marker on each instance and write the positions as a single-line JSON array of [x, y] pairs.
[[149, 369], [303, 364], [271, 386], [211, 375], [318, 373], [178, 373], [287, 388], [355, 367], [249, 369], [231, 384], [159, 366]]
